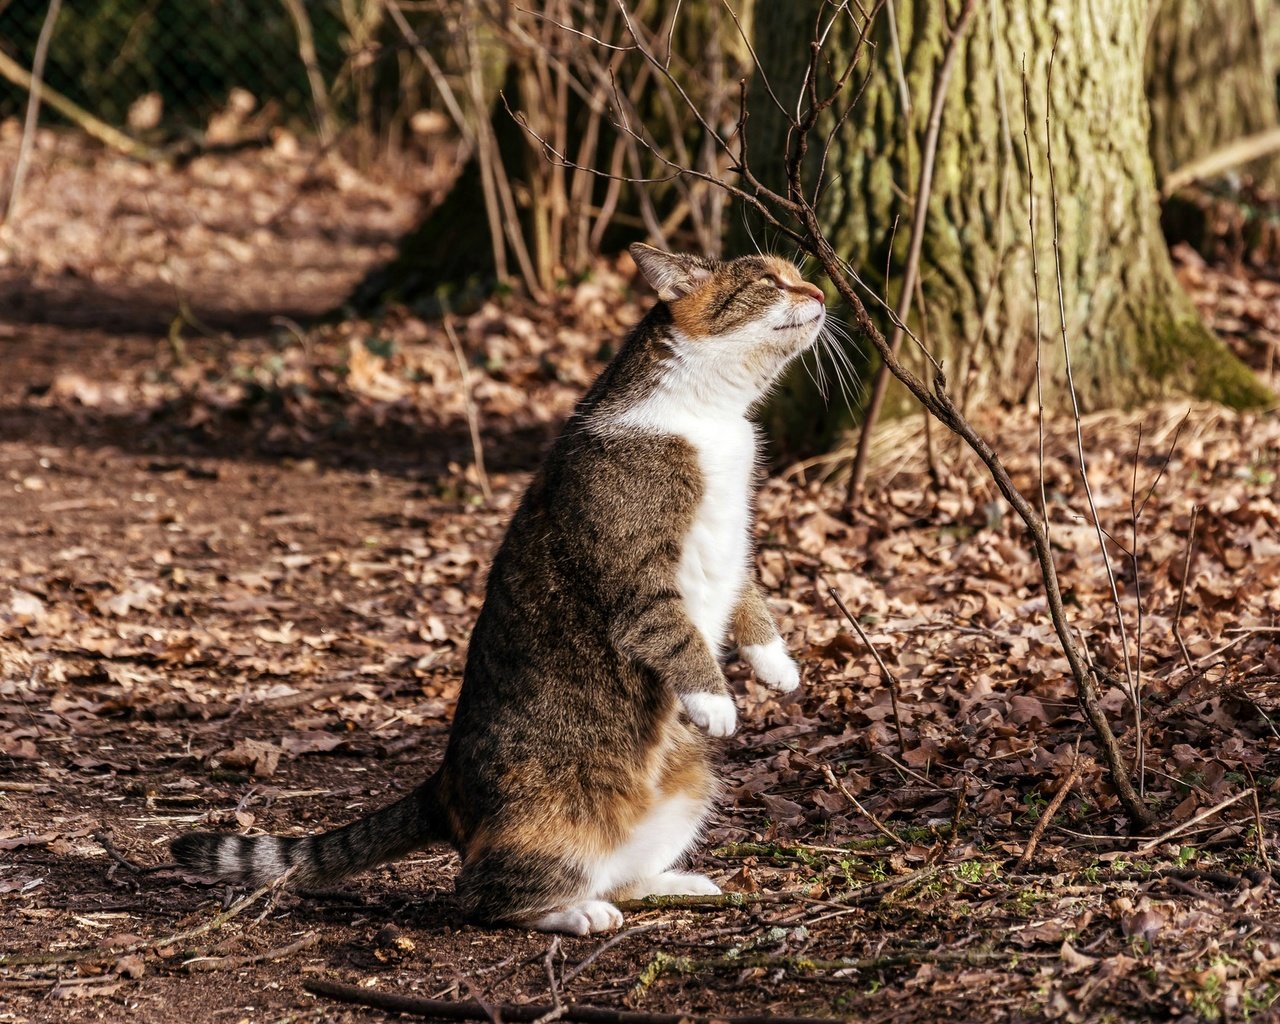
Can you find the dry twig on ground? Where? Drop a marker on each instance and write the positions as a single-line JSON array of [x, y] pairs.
[[574, 1012], [1046, 816]]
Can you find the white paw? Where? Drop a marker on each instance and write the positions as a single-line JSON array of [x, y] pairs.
[[677, 883], [713, 712], [772, 665], [581, 919]]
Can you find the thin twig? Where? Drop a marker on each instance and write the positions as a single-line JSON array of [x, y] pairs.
[[1035, 282], [104, 840], [807, 964], [473, 418], [33, 109], [899, 71], [71, 956], [1259, 833], [325, 122], [724, 901], [549, 965], [604, 947], [1233, 154], [447, 97], [908, 770], [943, 849], [1140, 746], [880, 827], [1226, 689], [73, 112], [865, 893], [886, 675], [1182, 590], [1134, 696]]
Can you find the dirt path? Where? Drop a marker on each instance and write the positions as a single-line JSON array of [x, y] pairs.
[[239, 562]]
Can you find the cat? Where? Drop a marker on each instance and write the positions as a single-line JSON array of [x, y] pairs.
[[579, 768]]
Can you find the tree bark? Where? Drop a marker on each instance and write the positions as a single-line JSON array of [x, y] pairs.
[[1210, 79], [1133, 334]]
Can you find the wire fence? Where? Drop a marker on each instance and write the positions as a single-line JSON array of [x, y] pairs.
[[169, 66]]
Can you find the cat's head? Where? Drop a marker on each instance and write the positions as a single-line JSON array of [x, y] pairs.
[[740, 320]]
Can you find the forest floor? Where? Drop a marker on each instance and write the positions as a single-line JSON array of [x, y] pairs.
[[241, 553]]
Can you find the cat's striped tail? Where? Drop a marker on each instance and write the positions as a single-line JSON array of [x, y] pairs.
[[316, 861]]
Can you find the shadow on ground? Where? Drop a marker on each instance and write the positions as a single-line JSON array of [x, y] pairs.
[[112, 337]]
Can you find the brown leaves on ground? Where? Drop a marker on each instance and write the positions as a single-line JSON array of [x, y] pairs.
[[236, 582]]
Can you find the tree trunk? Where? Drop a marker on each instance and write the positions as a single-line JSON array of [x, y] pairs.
[[1133, 334], [1210, 80]]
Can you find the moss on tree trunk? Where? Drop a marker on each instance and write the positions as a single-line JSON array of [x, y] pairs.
[[1134, 335]]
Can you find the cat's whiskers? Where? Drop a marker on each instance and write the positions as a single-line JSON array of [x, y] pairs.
[[814, 366], [831, 341], [856, 383]]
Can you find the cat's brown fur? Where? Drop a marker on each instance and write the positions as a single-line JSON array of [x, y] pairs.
[[574, 772]]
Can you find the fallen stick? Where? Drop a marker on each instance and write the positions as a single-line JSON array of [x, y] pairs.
[[724, 901], [1033, 841], [880, 826], [885, 674], [1227, 689], [1179, 829], [738, 900], [77, 115], [863, 893], [576, 1013], [220, 963], [1233, 154], [104, 840], [568, 976]]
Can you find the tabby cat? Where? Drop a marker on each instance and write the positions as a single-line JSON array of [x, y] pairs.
[[579, 767]]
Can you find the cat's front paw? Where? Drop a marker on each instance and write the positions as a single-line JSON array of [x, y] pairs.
[[714, 713], [772, 665]]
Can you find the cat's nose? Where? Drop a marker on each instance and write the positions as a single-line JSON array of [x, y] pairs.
[[811, 291]]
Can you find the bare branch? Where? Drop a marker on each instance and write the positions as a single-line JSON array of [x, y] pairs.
[[885, 674], [1134, 695]]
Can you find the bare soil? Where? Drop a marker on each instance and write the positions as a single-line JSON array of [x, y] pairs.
[[240, 557]]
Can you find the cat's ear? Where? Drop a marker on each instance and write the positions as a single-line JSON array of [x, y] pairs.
[[672, 275]]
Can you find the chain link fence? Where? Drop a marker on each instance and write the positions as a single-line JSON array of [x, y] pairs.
[[168, 66]]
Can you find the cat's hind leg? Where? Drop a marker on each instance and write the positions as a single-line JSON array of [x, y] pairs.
[[533, 890]]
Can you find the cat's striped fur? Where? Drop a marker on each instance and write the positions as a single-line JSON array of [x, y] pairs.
[[579, 767]]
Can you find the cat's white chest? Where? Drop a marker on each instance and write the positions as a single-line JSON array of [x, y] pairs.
[[714, 556]]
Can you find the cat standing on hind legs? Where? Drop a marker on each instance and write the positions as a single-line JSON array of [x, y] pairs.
[[579, 767]]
